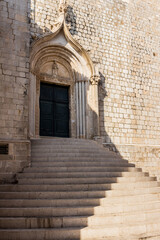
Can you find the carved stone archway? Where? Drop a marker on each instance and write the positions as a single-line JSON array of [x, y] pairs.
[[57, 58]]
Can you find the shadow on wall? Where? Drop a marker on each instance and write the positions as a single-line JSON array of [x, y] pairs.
[[71, 21], [38, 32], [102, 93]]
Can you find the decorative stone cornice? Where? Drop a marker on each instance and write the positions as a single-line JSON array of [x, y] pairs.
[[95, 79]]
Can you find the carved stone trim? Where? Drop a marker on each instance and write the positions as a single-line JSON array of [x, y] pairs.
[[95, 80], [62, 6]]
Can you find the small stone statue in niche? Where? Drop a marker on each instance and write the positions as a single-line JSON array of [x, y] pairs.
[[54, 69]]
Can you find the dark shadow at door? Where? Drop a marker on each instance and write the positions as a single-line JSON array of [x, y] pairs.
[[54, 110]]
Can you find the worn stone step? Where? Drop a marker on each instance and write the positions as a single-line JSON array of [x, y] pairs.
[[58, 188], [77, 221], [86, 233], [81, 169], [81, 174], [59, 147], [42, 222], [74, 149], [79, 210], [78, 194], [127, 230], [67, 145], [67, 150], [72, 154], [81, 164], [87, 180], [40, 234], [49, 141], [133, 217], [79, 201], [52, 195], [116, 208], [9, 203], [59, 139], [77, 156], [146, 236], [75, 159], [46, 211], [68, 159], [78, 187]]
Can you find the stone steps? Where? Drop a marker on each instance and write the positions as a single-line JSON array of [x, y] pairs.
[[83, 210], [62, 141], [87, 201], [81, 164], [79, 187], [75, 149], [81, 174], [76, 221], [75, 189], [136, 229], [72, 154], [69, 150], [87, 233], [50, 169], [75, 156], [79, 194], [75, 159], [86, 180]]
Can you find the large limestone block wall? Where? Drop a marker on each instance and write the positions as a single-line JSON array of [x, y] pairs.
[[14, 81], [123, 38]]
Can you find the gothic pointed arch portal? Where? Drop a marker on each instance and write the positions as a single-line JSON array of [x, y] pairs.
[[58, 59]]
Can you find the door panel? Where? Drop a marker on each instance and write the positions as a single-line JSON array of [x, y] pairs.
[[54, 111], [61, 111], [60, 94], [46, 92], [46, 118], [61, 119]]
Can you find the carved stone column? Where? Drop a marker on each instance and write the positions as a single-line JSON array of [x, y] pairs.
[[81, 108], [95, 106]]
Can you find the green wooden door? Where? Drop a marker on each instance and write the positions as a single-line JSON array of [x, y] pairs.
[[54, 111]]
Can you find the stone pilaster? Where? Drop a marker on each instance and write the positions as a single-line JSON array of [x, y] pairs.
[[95, 106]]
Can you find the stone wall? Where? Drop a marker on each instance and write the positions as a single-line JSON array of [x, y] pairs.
[[145, 157], [14, 81], [123, 37]]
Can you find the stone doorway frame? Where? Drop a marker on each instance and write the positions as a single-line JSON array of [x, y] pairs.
[[61, 48], [57, 80]]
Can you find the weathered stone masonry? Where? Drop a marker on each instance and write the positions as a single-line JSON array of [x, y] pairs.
[[122, 39], [14, 82]]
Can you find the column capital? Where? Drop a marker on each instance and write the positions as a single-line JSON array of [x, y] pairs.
[[95, 79]]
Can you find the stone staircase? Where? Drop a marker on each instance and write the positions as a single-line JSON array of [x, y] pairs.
[[75, 189]]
